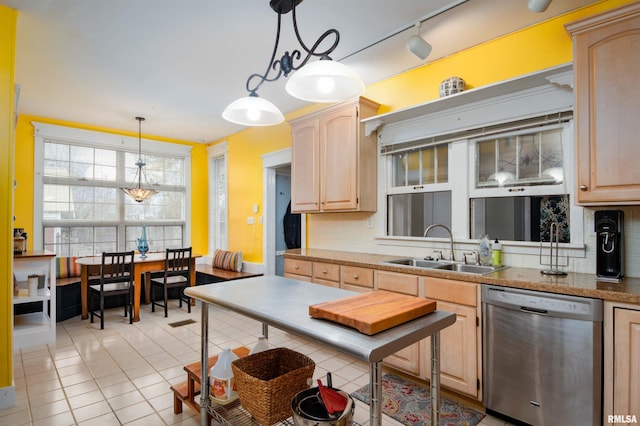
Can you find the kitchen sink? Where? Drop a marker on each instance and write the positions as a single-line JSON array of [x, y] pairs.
[[444, 265], [418, 263], [468, 269]]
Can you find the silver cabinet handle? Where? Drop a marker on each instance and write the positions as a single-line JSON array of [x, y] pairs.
[[355, 276], [584, 187], [324, 272], [296, 267]]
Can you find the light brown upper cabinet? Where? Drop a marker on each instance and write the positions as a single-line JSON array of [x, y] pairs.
[[606, 54], [333, 163]]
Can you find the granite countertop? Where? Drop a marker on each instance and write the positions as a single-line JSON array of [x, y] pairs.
[[577, 284]]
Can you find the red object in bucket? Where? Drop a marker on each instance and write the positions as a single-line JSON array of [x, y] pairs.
[[332, 400]]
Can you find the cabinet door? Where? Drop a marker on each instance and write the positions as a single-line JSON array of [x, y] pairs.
[[407, 359], [338, 159], [458, 351], [626, 372], [606, 64], [305, 166]]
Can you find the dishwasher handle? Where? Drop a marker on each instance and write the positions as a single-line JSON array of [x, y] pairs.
[[533, 310]]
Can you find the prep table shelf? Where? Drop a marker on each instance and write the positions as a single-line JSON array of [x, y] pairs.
[[233, 414]]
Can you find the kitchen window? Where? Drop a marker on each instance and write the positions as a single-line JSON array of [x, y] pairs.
[[509, 181], [80, 205], [518, 185]]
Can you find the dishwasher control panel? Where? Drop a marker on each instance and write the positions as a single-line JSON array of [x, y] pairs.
[[542, 303]]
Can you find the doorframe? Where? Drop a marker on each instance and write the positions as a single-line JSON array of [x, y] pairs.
[[270, 162]]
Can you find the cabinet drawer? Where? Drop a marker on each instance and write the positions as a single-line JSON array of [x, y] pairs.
[[326, 271], [452, 291], [298, 267], [352, 275], [398, 283]]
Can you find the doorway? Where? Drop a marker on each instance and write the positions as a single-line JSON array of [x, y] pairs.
[[277, 195]]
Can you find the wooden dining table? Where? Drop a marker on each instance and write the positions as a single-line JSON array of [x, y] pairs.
[[90, 267]]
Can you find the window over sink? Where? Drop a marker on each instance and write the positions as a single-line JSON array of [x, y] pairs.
[[511, 183]]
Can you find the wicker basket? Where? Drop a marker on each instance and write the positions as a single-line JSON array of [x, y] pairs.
[[267, 382]]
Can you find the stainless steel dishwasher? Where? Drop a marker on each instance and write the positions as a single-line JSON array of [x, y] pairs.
[[542, 356]]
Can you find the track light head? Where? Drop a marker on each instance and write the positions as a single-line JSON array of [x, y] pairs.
[[538, 6], [417, 45]]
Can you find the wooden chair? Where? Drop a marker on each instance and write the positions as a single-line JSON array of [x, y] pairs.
[[176, 274], [116, 279]]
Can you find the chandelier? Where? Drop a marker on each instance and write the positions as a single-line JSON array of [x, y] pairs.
[[136, 191], [324, 80]]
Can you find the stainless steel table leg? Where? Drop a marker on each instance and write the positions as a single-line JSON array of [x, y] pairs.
[[435, 378], [265, 330], [204, 363], [375, 388]]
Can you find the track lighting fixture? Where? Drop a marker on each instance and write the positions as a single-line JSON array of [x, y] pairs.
[[321, 81], [417, 45]]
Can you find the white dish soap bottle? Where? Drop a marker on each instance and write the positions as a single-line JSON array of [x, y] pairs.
[[485, 250], [223, 388]]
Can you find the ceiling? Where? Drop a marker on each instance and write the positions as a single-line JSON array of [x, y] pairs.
[[179, 63]]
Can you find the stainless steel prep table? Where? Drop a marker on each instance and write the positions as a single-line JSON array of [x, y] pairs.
[[284, 303]]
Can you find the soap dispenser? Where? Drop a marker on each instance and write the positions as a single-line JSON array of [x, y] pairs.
[[485, 250], [496, 253]]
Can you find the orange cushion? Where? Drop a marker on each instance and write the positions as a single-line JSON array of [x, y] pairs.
[[67, 267], [229, 260]]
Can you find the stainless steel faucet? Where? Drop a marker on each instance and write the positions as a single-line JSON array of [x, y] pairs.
[[426, 231]]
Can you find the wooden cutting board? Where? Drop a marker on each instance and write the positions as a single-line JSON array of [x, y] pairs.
[[373, 312]]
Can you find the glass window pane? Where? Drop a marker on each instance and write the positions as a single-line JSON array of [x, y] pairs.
[[428, 166], [442, 153], [520, 218], [486, 160], [528, 157], [551, 145], [413, 166], [507, 156], [399, 165], [410, 214]]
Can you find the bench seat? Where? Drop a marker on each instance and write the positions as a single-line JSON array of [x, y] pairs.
[[207, 274]]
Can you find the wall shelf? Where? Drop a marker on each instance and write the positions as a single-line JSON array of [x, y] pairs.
[[35, 328], [468, 108]]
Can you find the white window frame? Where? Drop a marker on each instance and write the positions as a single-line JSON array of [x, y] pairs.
[[216, 152], [45, 131]]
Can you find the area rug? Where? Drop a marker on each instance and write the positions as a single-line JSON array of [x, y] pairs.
[[410, 404]]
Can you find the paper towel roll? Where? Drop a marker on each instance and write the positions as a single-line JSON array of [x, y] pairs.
[[33, 285]]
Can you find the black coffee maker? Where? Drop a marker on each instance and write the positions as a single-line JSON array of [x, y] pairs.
[[610, 244]]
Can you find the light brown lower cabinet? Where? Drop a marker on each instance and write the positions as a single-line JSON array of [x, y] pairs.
[[407, 359], [460, 346], [621, 363], [459, 343]]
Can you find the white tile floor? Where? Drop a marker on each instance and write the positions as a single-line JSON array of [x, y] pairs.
[[121, 375]]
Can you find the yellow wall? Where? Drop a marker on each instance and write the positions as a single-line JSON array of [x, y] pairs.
[[8, 19], [24, 176]]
